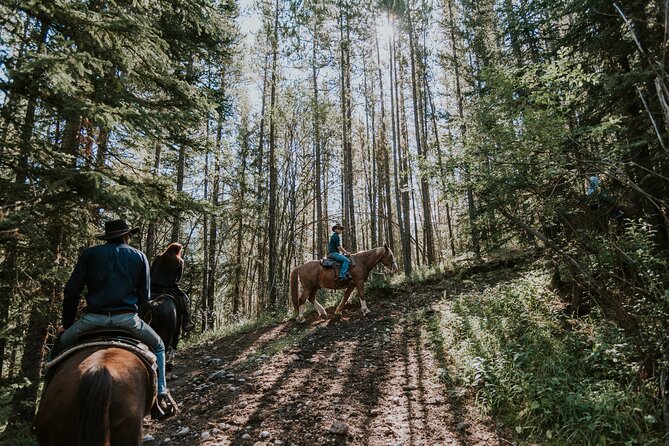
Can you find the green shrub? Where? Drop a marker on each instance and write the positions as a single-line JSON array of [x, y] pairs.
[[551, 379]]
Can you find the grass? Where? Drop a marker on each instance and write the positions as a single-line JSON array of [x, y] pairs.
[[549, 378]]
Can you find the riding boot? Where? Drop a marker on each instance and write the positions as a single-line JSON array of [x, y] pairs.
[[164, 407]]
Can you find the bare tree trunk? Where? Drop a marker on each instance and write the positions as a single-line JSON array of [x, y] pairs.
[[370, 173], [151, 232], [273, 173], [476, 246], [260, 234], [205, 240], [384, 166], [320, 229], [24, 400], [347, 150], [181, 171], [422, 151], [239, 258], [402, 211]]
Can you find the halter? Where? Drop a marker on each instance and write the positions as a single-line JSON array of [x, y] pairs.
[[365, 268]]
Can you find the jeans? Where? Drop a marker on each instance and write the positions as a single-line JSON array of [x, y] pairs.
[[344, 262], [127, 321]]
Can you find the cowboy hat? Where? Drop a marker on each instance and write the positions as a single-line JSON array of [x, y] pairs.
[[337, 226], [115, 229]]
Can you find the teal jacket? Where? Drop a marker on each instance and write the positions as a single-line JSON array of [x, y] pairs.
[[335, 243]]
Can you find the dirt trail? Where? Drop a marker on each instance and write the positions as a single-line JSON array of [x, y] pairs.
[[373, 380]]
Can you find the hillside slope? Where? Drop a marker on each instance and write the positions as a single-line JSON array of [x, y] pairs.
[[374, 380]]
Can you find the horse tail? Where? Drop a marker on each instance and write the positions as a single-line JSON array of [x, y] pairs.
[[94, 397], [293, 288]]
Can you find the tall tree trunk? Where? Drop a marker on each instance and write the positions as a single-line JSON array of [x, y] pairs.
[[422, 150], [320, 230], [371, 174], [347, 150], [181, 172], [205, 235], [151, 231], [241, 203], [402, 212], [384, 163], [403, 154], [476, 246], [260, 234], [273, 171], [8, 281], [24, 401]]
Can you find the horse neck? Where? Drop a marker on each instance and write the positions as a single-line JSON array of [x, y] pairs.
[[369, 259]]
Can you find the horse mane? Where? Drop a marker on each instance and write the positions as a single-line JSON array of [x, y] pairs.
[[365, 253], [94, 397]]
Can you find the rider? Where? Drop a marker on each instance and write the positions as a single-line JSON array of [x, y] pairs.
[[337, 252], [166, 272], [117, 279]]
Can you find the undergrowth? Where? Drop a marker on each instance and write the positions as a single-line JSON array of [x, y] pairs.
[[550, 378]]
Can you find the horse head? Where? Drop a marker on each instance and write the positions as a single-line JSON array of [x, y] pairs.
[[388, 259]]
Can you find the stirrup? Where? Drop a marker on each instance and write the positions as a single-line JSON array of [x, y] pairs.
[[188, 327], [164, 407]]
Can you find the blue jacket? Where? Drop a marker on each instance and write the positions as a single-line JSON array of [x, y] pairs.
[[116, 276]]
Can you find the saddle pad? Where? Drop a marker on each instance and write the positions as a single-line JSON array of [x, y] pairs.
[[141, 350]]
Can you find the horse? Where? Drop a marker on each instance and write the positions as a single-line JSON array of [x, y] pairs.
[[97, 396], [313, 276], [162, 315]]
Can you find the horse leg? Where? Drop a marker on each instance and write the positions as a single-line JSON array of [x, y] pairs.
[[169, 359], [347, 294], [315, 303], [361, 296], [303, 299]]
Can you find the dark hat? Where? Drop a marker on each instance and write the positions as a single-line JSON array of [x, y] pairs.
[[115, 229], [337, 226]]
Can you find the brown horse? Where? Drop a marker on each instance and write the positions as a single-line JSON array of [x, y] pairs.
[[313, 276], [98, 396]]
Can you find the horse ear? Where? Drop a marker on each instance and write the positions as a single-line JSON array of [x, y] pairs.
[[385, 246]]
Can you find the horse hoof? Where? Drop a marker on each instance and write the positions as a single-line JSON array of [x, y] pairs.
[[300, 320], [365, 312]]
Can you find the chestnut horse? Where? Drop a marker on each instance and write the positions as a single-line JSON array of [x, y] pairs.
[[313, 277], [97, 396]]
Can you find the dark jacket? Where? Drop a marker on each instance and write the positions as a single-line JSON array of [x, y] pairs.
[[166, 274], [116, 276]]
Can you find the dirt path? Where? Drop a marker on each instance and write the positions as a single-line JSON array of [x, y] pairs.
[[374, 380]]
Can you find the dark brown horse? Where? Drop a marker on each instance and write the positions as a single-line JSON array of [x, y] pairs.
[[98, 396], [313, 276], [162, 315]]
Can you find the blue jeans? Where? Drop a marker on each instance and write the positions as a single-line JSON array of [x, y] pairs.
[[127, 321], [344, 262]]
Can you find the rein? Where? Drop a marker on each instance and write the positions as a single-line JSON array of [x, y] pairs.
[[367, 270]]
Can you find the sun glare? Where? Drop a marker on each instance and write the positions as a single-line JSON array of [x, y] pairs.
[[384, 29]]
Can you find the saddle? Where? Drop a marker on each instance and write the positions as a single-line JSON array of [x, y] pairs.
[[109, 338], [329, 263]]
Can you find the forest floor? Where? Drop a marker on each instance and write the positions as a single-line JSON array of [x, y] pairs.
[[353, 380]]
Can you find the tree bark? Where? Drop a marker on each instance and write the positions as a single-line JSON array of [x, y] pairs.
[[273, 172]]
